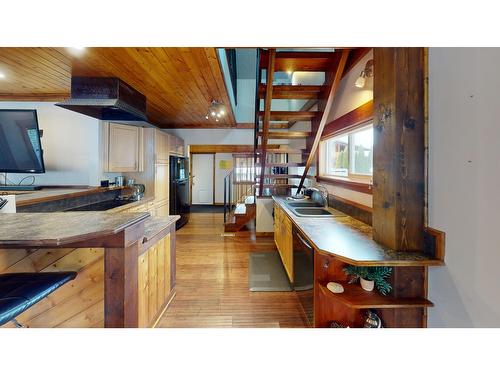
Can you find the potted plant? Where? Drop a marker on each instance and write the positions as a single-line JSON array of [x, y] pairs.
[[370, 277]]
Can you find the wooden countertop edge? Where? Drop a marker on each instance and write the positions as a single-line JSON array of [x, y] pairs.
[[60, 242], [355, 262], [56, 197]]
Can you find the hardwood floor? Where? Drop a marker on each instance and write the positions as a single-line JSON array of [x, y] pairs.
[[212, 281]]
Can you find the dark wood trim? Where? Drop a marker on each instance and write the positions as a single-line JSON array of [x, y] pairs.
[[351, 185], [42, 196], [439, 242], [121, 286], [350, 120]]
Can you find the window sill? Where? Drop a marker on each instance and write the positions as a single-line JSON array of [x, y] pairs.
[[362, 187]]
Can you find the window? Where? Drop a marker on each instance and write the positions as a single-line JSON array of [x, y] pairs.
[[349, 155]]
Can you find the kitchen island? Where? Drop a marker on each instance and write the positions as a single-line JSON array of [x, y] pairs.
[[114, 288]]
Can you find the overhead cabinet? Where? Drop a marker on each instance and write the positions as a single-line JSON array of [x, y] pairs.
[[162, 147], [122, 148], [176, 145]]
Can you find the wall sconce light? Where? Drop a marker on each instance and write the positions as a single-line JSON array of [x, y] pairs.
[[215, 111], [366, 72]]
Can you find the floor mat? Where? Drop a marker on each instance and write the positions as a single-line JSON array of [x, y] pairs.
[[266, 273]]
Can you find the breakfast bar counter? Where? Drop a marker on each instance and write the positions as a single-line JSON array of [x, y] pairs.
[[112, 245]]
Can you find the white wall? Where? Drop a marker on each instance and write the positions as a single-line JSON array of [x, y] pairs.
[[464, 180], [70, 143], [214, 136], [348, 98]]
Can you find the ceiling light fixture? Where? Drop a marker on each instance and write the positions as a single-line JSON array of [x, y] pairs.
[[215, 111], [365, 73], [2, 75]]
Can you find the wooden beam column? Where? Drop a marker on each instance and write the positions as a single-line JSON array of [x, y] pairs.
[[398, 155]]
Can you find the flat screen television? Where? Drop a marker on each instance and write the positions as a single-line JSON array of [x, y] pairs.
[[20, 146]]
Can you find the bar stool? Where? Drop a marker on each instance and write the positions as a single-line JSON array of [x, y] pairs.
[[20, 291]]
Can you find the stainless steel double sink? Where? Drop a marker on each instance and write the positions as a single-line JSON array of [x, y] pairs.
[[308, 209]]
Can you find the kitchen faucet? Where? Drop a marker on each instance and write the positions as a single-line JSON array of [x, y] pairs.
[[324, 193]]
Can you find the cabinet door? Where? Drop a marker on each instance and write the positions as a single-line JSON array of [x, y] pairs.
[[161, 182], [161, 209], [124, 148], [161, 147]]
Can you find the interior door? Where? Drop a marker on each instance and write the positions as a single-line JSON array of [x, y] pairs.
[[203, 179]]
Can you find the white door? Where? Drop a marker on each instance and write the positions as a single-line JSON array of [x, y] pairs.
[[203, 179]]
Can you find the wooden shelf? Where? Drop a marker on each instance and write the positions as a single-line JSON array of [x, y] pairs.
[[357, 298]]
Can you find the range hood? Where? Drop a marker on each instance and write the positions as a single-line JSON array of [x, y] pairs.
[[107, 98]]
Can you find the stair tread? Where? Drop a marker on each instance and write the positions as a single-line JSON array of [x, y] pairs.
[[298, 61], [286, 135], [283, 151], [290, 115], [292, 91]]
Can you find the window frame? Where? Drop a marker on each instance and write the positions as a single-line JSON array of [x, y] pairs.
[[354, 181]]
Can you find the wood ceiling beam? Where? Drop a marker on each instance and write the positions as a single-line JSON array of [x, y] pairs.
[[267, 116], [326, 112]]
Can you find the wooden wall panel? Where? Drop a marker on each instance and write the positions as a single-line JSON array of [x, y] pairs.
[[79, 303]]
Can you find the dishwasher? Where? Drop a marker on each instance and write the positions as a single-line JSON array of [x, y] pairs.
[[303, 272]]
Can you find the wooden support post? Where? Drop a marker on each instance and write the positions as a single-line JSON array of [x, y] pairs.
[[267, 116], [121, 287], [398, 154]]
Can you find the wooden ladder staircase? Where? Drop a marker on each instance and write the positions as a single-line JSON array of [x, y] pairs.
[[273, 162], [315, 110]]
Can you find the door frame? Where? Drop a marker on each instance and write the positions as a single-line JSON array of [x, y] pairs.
[[191, 176]]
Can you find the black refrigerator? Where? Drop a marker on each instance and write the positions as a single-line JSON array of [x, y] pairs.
[[179, 189]]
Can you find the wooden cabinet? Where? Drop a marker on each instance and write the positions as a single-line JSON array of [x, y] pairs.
[[284, 239], [122, 148], [154, 275], [162, 147], [162, 185], [161, 208], [176, 145]]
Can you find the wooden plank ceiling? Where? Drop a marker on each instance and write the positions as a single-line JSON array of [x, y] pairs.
[[179, 83]]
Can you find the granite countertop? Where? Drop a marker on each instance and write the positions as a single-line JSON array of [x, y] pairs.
[[156, 225], [132, 204], [57, 193], [351, 240], [60, 228]]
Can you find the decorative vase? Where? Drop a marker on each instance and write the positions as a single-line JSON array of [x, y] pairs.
[[367, 285]]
